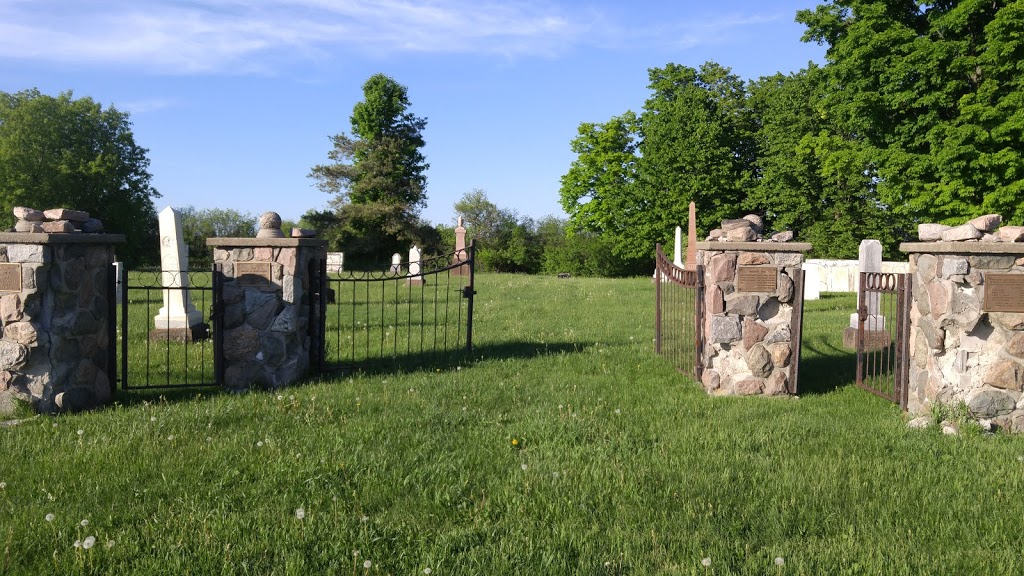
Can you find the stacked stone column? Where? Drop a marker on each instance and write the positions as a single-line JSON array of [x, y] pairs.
[[55, 297], [749, 293], [966, 345], [266, 321]]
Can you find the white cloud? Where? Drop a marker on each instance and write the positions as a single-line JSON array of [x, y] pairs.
[[201, 36]]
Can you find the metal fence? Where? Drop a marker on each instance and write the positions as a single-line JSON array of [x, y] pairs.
[[401, 317], [883, 335], [679, 313], [166, 357]]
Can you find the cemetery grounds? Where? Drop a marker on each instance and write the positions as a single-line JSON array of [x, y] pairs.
[[563, 446]]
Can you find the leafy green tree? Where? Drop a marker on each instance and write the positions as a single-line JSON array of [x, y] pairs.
[[933, 93], [73, 153], [634, 177], [382, 162], [198, 225], [378, 178]]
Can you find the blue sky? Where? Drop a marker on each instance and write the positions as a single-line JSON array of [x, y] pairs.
[[235, 100]]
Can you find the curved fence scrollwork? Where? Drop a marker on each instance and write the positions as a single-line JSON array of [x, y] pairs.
[[679, 313], [411, 314]]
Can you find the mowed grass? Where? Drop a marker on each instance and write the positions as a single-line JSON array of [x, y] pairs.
[[565, 447]]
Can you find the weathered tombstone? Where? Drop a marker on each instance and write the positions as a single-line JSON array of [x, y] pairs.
[[396, 263], [177, 319], [870, 260], [335, 262], [460, 255], [677, 256], [691, 239], [415, 278], [812, 284]]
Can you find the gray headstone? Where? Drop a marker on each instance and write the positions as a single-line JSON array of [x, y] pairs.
[[870, 261]]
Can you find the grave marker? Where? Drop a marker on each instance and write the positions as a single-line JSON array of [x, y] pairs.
[[177, 319]]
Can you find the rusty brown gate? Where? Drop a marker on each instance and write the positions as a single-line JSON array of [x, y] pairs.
[[679, 313], [883, 335]]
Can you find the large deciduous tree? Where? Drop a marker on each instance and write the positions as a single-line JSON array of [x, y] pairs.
[[377, 176], [934, 93], [73, 153]]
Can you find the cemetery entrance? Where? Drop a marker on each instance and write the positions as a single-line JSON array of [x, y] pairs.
[[883, 341], [415, 314], [679, 297]]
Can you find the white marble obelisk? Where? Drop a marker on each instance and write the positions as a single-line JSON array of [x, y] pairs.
[[177, 312]]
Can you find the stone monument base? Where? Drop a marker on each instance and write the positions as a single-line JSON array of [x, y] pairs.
[[873, 339], [195, 333]]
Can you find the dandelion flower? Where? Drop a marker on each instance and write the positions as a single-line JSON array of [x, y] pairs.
[[515, 442], [367, 564], [300, 513], [50, 517], [84, 523], [706, 562], [89, 542], [780, 561]]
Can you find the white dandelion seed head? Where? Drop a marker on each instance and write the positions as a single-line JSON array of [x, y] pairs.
[[208, 439], [280, 397], [84, 523], [110, 543], [259, 444], [300, 513], [291, 397], [367, 564], [780, 561], [427, 570], [78, 544], [170, 437], [152, 418], [3, 485], [364, 519], [706, 562], [523, 466], [50, 517], [89, 542], [618, 411], [80, 432]]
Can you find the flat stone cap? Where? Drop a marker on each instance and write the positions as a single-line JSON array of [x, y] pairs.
[[69, 238], [266, 242], [755, 246], [1013, 248]]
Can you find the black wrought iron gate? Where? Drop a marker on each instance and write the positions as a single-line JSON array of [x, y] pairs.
[[679, 313], [408, 316], [883, 337], [168, 356]]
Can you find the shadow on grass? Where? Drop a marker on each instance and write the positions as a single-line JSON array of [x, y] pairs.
[[401, 364], [825, 366]]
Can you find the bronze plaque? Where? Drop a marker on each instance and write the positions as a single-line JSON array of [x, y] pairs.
[[10, 277], [757, 279], [253, 273], [1004, 293]]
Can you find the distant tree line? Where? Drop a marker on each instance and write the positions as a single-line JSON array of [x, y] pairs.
[[915, 117]]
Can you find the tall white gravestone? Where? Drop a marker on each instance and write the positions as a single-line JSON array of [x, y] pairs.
[[414, 266], [677, 257], [177, 314], [870, 261]]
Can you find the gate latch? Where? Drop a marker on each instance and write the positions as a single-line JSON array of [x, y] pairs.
[[467, 291]]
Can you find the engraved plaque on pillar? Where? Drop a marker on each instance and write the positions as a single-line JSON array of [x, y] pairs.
[[10, 277], [757, 279], [253, 273], [1004, 293]]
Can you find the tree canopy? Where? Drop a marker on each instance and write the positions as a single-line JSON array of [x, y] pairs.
[[72, 153], [917, 116], [377, 177]]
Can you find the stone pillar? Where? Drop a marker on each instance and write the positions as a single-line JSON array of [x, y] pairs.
[[748, 307], [56, 302], [267, 312], [967, 329]]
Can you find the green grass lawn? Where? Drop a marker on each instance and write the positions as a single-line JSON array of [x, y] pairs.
[[565, 447]]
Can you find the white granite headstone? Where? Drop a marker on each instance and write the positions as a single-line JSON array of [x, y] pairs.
[[396, 263], [812, 283], [177, 311], [414, 266], [870, 261], [677, 257]]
